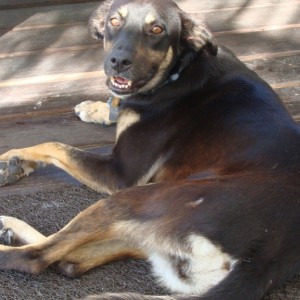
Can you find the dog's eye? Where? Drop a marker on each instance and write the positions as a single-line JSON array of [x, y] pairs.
[[157, 30], [114, 22]]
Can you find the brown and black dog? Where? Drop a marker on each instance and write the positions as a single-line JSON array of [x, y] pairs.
[[220, 219]]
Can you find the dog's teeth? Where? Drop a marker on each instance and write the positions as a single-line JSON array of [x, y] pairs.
[[120, 86]]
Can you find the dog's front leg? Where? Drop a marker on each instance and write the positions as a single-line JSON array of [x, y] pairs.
[[97, 172]]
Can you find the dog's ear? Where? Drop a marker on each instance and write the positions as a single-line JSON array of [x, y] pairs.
[[97, 20], [196, 35]]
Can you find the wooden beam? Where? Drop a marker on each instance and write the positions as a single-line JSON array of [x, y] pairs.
[[51, 78], [9, 4], [257, 29], [268, 55]]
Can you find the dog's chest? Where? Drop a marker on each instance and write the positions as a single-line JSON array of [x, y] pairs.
[[126, 119]]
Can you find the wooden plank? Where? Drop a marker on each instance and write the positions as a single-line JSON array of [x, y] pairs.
[[221, 4], [291, 97], [14, 68], [48, 15], [64, 128], [48, 96], [292, 101], [251, 17], [277, 70], [8, 4], [31, 40], [74, 38], [75, 33], [262, 42], [218, 18]]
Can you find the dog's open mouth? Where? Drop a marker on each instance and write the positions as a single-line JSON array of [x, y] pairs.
[[121, 84]]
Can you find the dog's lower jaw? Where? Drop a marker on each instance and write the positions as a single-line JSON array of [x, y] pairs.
[[120, 96]]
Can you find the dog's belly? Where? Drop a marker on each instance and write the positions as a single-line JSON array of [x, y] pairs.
[[195, 272]]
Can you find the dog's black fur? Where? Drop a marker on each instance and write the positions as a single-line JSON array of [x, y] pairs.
[[198, 123]]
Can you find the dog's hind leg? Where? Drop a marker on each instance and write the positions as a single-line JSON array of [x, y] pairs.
[[91, 255], [95, 171], [73, 247], [16, 232]]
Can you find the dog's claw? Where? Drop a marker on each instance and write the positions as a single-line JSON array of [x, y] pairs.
[[6, 234], [10, 171]]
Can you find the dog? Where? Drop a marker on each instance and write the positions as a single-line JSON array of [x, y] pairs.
[[204, 177]]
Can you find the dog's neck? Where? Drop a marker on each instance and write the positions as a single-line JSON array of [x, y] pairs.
[[183, 62]]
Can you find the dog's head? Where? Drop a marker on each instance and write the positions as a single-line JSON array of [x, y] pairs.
[[145, 41]]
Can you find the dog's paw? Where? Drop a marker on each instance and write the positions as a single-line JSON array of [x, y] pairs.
[[68, 269], [6, 233], [10, 171], [16, 232], [93, 112]]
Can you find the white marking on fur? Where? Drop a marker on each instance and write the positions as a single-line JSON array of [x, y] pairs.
[[150, 18], [126, 119], [161, 72], [204, 267], [163, 269], [152, 171], [21, 230], [191, 267], [195, 203], [123, 11]]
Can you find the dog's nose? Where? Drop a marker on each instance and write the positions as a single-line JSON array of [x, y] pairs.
[[120, 64]]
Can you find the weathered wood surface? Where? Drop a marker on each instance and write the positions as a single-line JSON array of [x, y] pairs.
[[48, 64]]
